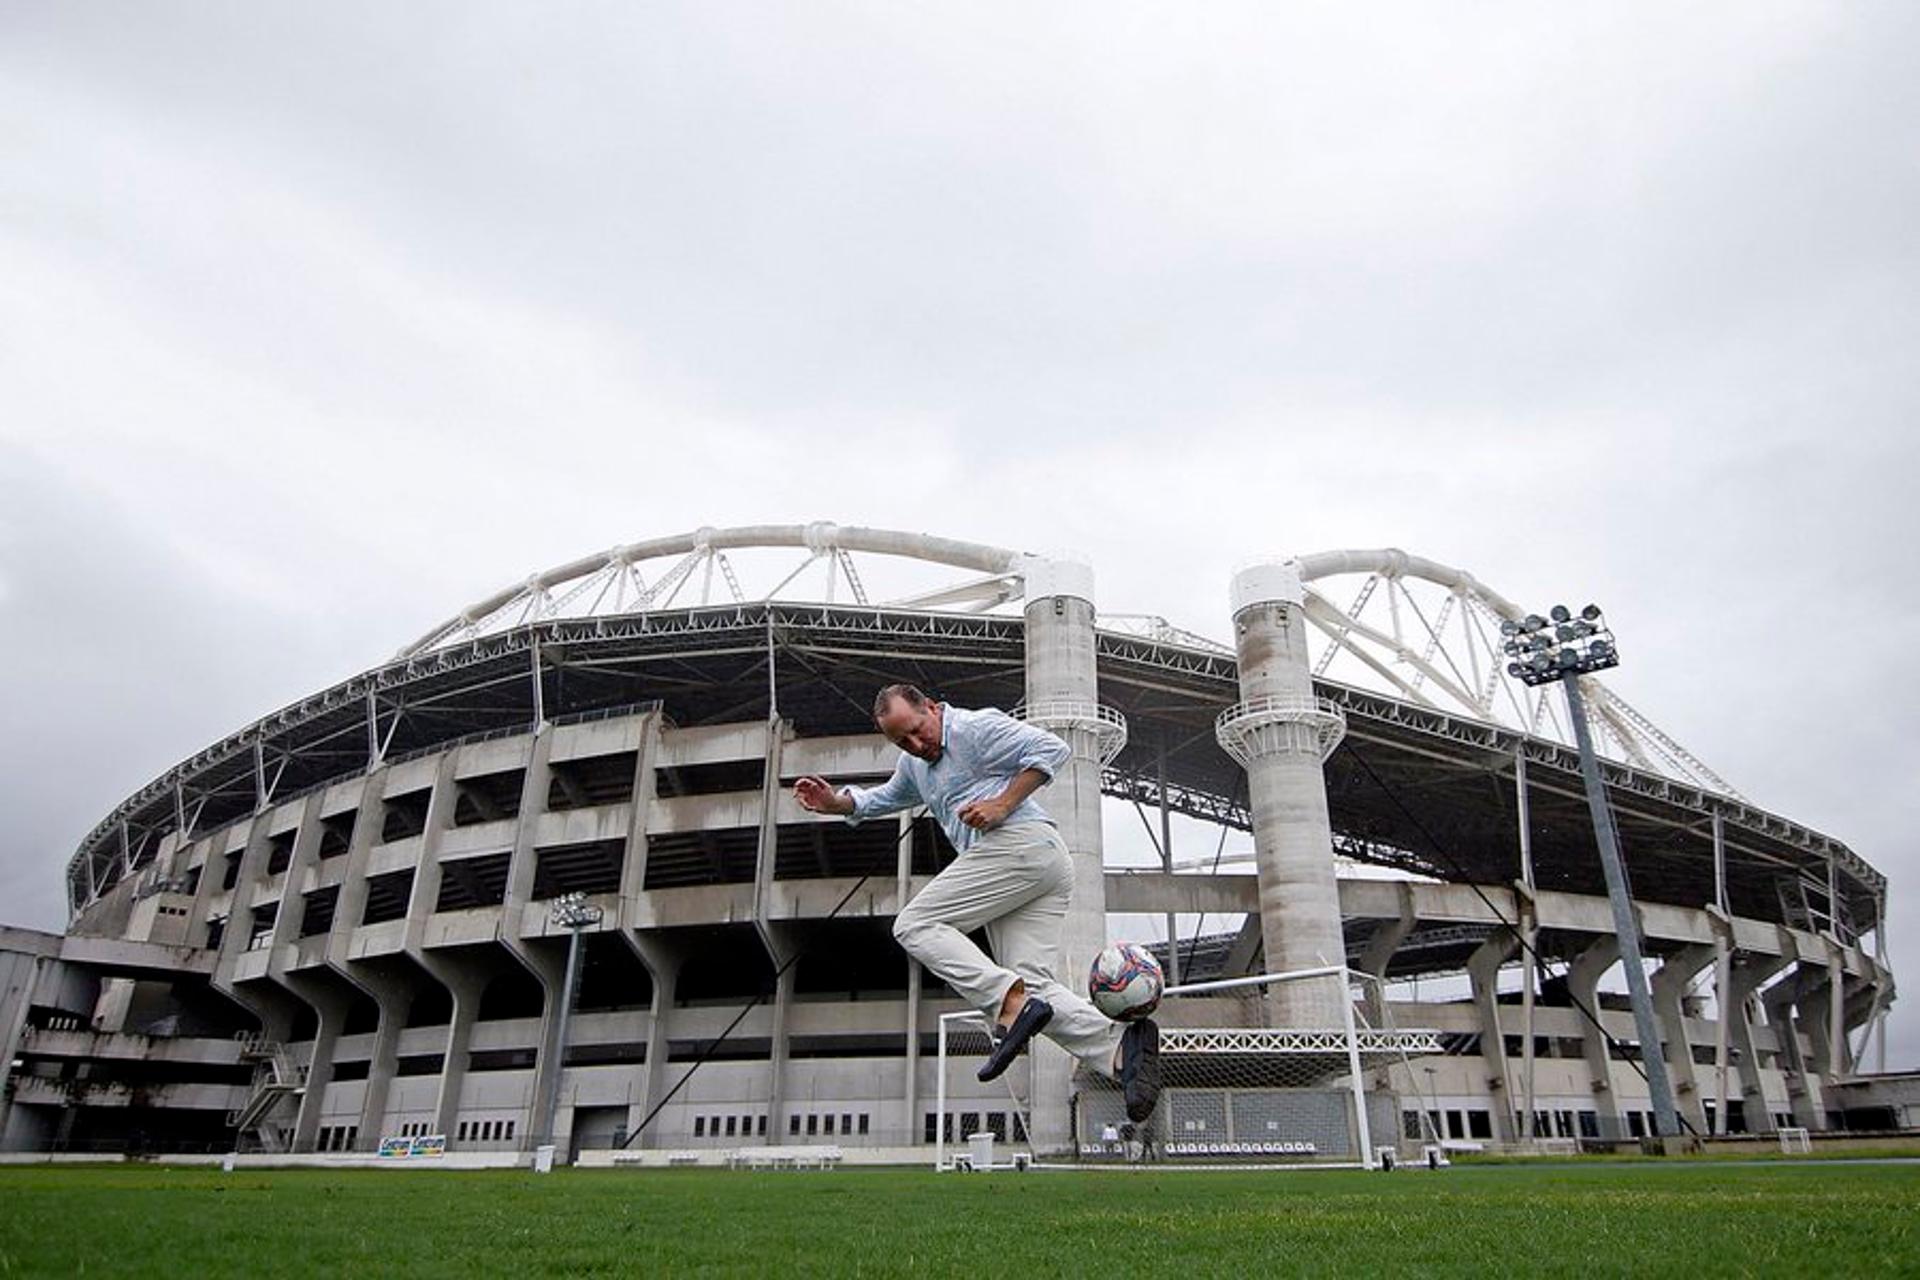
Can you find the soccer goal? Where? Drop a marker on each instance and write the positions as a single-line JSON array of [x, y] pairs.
[[1795, 1141], [1280, 1069]]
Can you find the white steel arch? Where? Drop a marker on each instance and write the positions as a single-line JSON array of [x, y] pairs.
[[1431, 632], [623, 581]]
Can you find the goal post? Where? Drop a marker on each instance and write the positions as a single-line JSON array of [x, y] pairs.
[[1295, 1068]]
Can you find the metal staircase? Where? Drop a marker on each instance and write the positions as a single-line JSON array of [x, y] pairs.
[[276, 1078]]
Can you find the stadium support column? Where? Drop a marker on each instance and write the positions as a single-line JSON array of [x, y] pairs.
[[663, 967], [546, 963], [1063, 696], [1786, 1002], [1281, 733], [1670, 983], [1583, 987], [21, 974], [903, 890], [464, 980], [1483, 967], [383, 982], [1750, 971], [781, 938]]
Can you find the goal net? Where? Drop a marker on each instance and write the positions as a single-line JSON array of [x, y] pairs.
[[1293, 1068]]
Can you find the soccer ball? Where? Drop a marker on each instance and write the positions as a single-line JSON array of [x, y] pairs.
[[1125, 982]]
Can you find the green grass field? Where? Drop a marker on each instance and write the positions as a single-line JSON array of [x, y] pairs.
[[1654, 1218]]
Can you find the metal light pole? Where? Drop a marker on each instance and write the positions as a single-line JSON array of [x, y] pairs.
[[574, 912], [1562, 648]]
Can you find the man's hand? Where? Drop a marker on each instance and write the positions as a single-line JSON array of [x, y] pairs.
[[983, 815], [815, 795]]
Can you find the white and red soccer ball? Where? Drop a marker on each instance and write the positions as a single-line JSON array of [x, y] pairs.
[[1126, 982]]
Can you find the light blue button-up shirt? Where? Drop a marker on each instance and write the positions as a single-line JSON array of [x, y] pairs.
[[980, 753]]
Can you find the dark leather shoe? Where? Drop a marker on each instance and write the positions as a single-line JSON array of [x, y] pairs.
[[1140, 1068], [1033, 1015]]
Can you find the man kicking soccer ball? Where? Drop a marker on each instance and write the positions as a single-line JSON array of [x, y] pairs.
[[977, 772]]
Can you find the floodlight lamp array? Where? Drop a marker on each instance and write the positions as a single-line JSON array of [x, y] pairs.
[[1541, 650], [573, 911]]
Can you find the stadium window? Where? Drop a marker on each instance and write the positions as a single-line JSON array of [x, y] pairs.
[[699, 1126], [1589, 1124], [1635, 1125], [829, 1125], [997, 1124], [1410, 1125], [846, 1124], [813, 1125], [760, 1125], [793, 1125], [461, 1136], [1563, 1124], [1479, 1123], [509, 1128], [946, 1125], [932, 1133], [731, 1121], [1454, 1128], [969, 1123], [353, 1135], [863, 1123]]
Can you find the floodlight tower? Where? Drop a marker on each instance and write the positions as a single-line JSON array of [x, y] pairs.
[[1561, 648], [573, 912]]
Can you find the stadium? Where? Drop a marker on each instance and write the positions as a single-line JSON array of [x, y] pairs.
[[517, 885]]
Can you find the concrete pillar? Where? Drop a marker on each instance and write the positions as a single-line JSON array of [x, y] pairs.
[[1784, 1002], [1063, 696], [331, 1006], [783, 941], [903, 888], [1669, 987], [1837, 1063], [327, 997], [1379, 952], [1483, 968], [1749, 972], [547, 964], [270, 1004], [388, 990], [1583, 981], [633, 869], [463, 983], [777, 1066], [22, 974], [663, 965], [1281, 733]]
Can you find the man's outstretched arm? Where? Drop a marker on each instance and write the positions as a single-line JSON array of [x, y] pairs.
[[856, 804]]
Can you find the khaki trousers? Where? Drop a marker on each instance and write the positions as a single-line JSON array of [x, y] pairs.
[[1016, 882]]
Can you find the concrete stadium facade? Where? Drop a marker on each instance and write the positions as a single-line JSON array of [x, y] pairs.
[[334, 926]]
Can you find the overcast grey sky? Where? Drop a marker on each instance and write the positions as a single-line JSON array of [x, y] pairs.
[[317, 322]]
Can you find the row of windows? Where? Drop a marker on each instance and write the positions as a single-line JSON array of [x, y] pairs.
[[813, 1124], [967, 1123], [818, 1124], [337, 1137], [415, 1129], [484, 1131], [1478, 1123], [736, 1126]]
